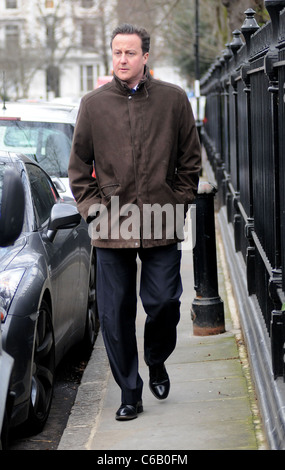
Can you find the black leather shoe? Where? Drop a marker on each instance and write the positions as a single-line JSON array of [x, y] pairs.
[[127, 412], [159, 382]]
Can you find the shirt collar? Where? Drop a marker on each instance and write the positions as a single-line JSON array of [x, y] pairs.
[[144, 79]]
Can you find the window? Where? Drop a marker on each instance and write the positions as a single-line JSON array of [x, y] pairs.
[[43, 193], [12, 37], [87, 77], [50, 35], [11, 3], [88, 35], [28, 216], [87, 3]]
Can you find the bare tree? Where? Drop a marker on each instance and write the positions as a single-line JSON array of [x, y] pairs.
[[103, 21], [217, 20], [171, 24], [236, 9], [52, 42], [20, 59], [153, 15], [41, 49]]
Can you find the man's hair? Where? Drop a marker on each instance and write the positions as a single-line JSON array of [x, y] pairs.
[[130, 29]]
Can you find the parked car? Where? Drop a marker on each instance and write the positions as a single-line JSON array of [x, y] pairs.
[[47, 291], [11, 223], [42, 131]]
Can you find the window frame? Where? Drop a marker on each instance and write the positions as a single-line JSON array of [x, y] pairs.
[[34, 170], [11, 4], [87, 4], [87, 82]]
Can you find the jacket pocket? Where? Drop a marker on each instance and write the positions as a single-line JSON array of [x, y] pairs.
[[177, 197], [109, 190]]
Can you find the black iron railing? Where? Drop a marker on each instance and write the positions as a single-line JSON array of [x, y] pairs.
[[244, 138]]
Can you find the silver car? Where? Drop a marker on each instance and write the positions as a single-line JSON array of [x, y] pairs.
[[43, 131], [47, 291]]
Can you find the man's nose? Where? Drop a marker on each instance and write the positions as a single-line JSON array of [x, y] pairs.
[[123, 58]]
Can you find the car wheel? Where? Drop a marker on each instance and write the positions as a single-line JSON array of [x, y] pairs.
[[92, 322], [43, 371]]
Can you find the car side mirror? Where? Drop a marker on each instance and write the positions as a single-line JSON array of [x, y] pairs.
[[12, 208], [63, 216]]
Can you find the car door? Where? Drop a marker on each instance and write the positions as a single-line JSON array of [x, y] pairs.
[[62, 257]]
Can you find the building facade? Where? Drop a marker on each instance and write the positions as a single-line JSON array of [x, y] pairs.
[[59, 48], [52, 48]]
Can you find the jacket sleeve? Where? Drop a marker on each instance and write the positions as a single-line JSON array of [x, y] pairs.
[[189, 155], [82, 179]]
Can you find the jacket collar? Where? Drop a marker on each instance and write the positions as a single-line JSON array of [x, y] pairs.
[[143, 83]]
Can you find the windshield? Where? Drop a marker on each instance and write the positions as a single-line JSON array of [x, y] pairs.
[[48, 143]]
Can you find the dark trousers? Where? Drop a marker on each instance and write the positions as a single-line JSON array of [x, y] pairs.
[[160, 291]]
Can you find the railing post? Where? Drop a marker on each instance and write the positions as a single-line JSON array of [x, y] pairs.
[[277, 330], [277, 324], [207, 308], [248, 28]]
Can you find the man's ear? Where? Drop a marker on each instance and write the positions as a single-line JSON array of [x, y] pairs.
[[145, 56]]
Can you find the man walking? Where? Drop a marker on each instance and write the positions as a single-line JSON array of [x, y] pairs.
[[139, 136]]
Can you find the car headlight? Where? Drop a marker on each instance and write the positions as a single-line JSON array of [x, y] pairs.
[[9, 282]]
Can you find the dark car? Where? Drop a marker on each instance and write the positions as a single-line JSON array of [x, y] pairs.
[[47, 291]]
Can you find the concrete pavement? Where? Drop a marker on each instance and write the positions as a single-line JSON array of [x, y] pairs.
[[211, 405]]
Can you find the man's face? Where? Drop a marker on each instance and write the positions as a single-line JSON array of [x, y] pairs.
[[128, 58]]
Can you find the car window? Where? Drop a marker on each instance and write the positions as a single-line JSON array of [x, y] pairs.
[[29, 219], [43, 192], [48, 143]]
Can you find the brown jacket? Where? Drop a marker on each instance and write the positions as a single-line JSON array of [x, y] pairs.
[[145, 151]]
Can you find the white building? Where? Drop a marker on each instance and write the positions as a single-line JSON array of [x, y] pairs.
[[59, 48], [53, 47]]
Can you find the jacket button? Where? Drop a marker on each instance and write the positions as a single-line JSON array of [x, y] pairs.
[[130, 97]]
